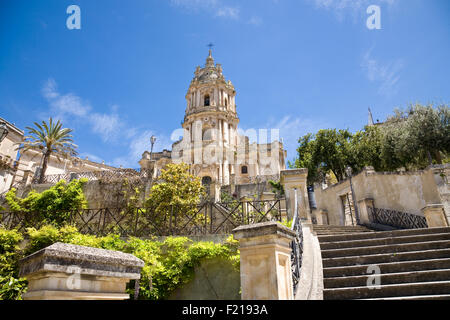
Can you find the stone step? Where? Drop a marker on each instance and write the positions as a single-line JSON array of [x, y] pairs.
[[386, 258], [384, 241], [388, 291], [327, 226], [355, 230], [404, 247], [385, 279], [337, 232], [381, 234], [390, 267], [326, 233]]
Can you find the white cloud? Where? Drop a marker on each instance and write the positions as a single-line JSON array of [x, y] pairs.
[[387, 75], [228, 12], [50, 89], [106, 125], [353, 7], [349, 4], [62, 105], [256, 21], [71, 105], [215, 7]]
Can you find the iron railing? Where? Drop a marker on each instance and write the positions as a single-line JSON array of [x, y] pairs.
[[104, 175], [206, 218], [397, 219], [296, 246]]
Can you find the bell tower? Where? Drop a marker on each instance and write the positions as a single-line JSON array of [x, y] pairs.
[[210, 123]]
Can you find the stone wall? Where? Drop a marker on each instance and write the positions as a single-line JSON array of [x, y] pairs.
[[214, 279], [407, 192], [98, 194], [247, 190]]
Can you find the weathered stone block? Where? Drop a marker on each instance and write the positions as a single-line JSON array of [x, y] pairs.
[[65, 271]]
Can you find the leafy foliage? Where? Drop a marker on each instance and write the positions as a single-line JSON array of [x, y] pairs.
[[176, 193], [54, 205], [412, 139], [277, 188], [168, 264], [11, 286]]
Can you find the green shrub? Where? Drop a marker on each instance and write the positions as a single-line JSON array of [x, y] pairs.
[[168, 264], [11, 286], [54, 205]]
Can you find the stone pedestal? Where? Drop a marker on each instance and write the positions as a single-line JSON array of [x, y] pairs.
[[435, 216], [441, 175], [296, 179], [364, 207], [70, 272], [265, 261]]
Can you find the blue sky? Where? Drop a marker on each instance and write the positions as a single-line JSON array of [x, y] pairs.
[[297, 65]]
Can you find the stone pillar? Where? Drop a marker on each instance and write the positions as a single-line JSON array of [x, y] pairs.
[[70, 272], [364, 207], [296, 179], [265, 261], [441, 175], [225, 134], [435, 215]]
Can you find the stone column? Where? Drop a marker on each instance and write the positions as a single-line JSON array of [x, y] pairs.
[[225, 133], [70, 272], [296, 179], [441, 175], [265, 261], [364, 207], [435, 215]]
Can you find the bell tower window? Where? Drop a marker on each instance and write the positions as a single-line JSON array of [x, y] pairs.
[[207, 100]]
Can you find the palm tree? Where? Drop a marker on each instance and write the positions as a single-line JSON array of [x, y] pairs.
[[50, 139]]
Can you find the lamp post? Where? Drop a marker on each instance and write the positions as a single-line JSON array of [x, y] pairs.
[[348, 171], [3, 131], [152, 141]]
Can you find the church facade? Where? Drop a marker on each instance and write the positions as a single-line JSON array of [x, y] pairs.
[[212, 145]]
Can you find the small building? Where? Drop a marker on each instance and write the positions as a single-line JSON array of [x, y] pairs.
[[8, 155]]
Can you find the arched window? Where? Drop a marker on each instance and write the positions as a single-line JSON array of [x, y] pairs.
[[244, 170], [207, 100], [226, 102], [207, 134], [206, 180]]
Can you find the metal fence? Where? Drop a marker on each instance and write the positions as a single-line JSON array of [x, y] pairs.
[[397, 219], [105, 176], [207, 218]]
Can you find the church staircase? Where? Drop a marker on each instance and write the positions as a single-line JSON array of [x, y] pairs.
[[414, 264]]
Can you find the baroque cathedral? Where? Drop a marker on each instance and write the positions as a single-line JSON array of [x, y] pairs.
[[211, 144]]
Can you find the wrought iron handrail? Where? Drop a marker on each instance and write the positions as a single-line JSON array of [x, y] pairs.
[[397, 219], [296, 246]]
